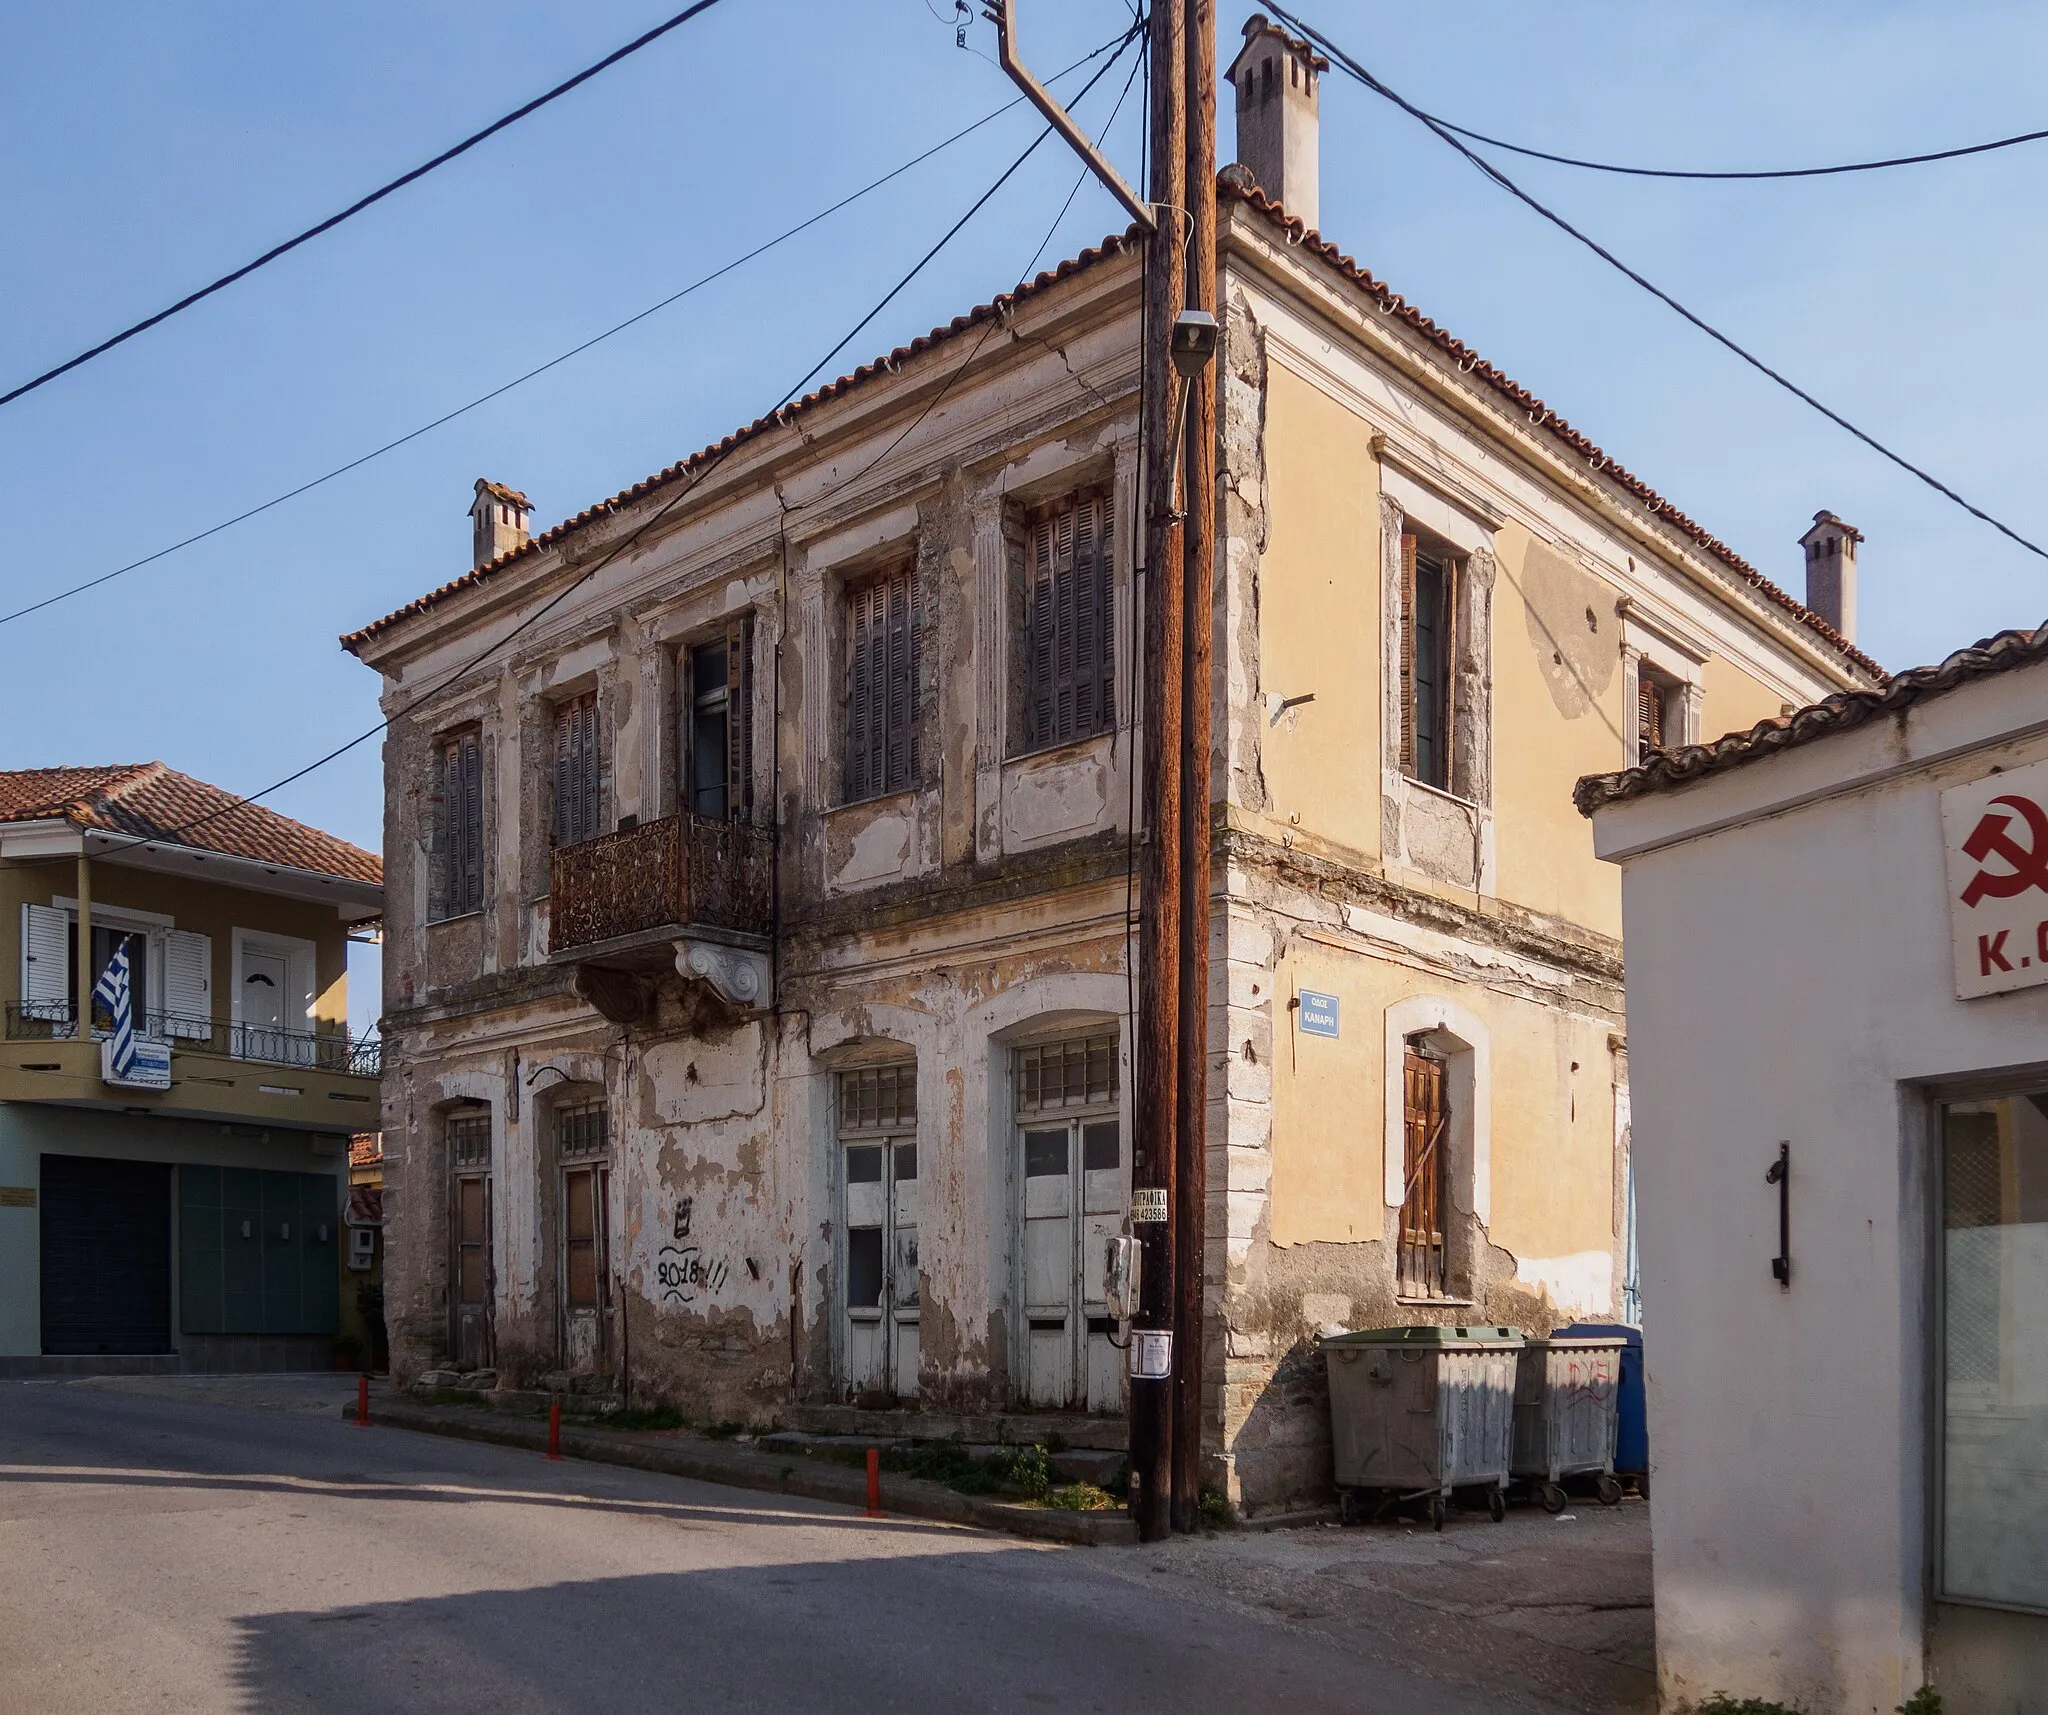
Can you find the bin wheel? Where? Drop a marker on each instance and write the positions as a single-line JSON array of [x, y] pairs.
[[1553, 1497], [1608, 1490], [1436, 1512], [1347, 1506], [1496, 1505]]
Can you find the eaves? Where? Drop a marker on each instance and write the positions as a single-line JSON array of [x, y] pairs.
[[1259, 239]]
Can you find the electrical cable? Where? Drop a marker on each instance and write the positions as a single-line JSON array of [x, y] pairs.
[[554, 362], [1753, 173], [1339, 57], [617, 548], [290, 244]]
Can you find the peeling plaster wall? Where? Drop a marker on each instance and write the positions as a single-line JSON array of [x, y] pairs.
[[987, 900]]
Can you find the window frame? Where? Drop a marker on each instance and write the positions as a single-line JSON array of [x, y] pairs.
[[735, 701], [1425, 566], [1067, 615], [459, 882], [576, 747], [883, 708]]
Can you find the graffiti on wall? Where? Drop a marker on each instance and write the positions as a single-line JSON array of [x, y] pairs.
[[681, 1269]]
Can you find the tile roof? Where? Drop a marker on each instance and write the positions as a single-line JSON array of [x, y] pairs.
[[1233, 182], [1839, 713], [156, 803], [1115, 245]]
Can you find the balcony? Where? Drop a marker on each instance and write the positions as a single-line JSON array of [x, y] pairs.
[[318, 1051], [618, 893]]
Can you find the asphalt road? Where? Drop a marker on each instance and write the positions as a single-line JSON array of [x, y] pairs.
[[177, 1554]]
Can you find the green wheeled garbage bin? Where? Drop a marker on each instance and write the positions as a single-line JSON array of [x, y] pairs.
[[1567, 1389], [1416, 1413]]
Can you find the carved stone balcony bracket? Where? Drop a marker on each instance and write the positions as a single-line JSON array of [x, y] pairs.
[[737, 974], [620, 996]]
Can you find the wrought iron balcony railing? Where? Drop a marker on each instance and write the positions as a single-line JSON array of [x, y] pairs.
[[675, 873], [320, 1051]]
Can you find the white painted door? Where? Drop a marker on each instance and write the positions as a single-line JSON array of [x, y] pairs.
[[1076, 1189], [881, 1268], [266, 982], [1049, 1265]]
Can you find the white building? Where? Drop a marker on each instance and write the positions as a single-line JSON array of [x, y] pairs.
[[1837, 939]]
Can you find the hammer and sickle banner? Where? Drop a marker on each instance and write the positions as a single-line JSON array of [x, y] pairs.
[[1995, 832]]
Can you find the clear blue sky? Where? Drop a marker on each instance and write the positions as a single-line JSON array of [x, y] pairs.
[[145, 149]]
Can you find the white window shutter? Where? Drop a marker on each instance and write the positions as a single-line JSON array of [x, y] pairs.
[[188, 983], [45, 956]]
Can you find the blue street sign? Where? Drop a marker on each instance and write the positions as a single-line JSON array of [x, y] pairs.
[[1318, 1013]]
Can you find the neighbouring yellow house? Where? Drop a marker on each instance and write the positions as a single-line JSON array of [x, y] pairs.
[[188, 1212]]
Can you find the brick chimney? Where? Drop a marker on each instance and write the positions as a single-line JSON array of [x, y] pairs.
[[500, 516], [1275, 76], [1831, 571]]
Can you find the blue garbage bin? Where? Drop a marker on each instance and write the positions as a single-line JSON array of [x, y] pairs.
[[1632, 1426]]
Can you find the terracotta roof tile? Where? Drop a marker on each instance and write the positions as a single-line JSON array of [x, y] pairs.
[[153, 802], [1113, 246], [1233, 182], [1839, 713]]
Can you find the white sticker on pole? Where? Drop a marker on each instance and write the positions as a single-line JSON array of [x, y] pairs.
[[1151, 1354], [1995, 838], [1148, 1203]]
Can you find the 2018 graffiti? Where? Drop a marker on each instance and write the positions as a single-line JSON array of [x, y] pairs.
[[682, 1270]]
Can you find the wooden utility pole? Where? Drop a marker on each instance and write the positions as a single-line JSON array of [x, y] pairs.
[[1156, 1137], [1197, 567]]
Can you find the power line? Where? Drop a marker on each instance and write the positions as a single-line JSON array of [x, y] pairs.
[[1507, 184], [627, 541], [538, 370], [1756, 173], [357, 207]]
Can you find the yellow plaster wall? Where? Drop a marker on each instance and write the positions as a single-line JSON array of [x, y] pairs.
[[1558, 713], [1552, 1111], [202, 907], [1319, 614], [1732, 700]]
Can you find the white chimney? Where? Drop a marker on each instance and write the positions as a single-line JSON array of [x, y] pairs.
[[1275, 77], [1831, 571], [499, 514]]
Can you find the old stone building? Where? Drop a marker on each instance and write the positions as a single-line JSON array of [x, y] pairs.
[[760, 853]]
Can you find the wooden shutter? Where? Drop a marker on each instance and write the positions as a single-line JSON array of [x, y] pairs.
[[579, 785], [1040, 623], [883, 686], [739, 718], [1649, 717], [1070, 651], [462, 842], [46, 962], [1406, 621], [860, 692], [188, 983]]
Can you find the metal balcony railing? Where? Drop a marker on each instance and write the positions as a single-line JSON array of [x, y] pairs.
[[320, 1051], [673, 873]]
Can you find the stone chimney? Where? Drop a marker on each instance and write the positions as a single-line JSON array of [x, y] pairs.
[[1831, 571], [500, 516], [1275, 76]]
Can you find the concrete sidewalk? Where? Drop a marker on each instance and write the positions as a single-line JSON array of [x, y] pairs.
[[681, 1453]]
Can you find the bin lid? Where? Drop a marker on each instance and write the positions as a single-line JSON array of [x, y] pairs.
[[1430, 1334], [1608, 1330], [1578, 1342]]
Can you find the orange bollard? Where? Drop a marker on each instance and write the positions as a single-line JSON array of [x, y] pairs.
[[362, 1402], [874, 1482], [554, 1429]]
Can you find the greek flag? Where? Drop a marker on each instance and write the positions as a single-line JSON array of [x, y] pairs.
[[112, 991]]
